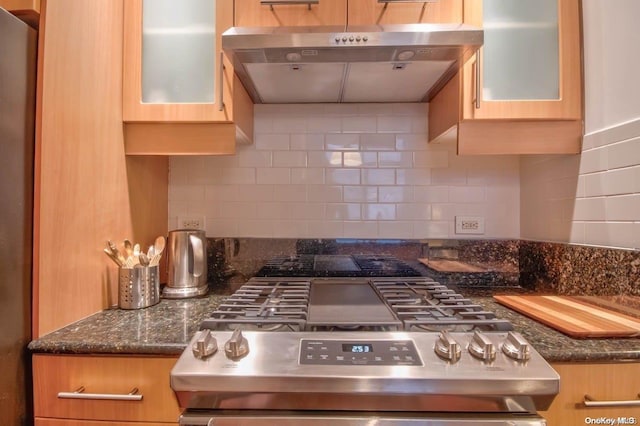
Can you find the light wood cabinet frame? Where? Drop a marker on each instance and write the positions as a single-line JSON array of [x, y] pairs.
[[250, 13], [372, 12], [569, 104]]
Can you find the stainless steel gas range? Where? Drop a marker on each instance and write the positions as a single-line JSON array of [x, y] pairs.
[[358, 350]]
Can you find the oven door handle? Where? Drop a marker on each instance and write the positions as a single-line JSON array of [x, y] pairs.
[[350, 419]]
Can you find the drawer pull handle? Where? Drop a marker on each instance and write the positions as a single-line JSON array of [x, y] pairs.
[[80, 394], [590, 402]]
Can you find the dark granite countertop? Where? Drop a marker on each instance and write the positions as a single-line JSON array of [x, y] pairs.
[[166, 328]]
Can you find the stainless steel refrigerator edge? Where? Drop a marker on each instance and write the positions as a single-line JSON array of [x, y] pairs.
[[18, 52]]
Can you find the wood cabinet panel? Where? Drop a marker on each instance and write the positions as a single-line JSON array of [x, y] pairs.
[[104, 375], [514, 126], [250, 13], [82, 194], [372, 12], [12, 5], [568, 106], [604, 382], [183, 128]]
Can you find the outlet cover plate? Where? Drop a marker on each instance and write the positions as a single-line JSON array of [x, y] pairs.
[[191, 222], [470, 225]]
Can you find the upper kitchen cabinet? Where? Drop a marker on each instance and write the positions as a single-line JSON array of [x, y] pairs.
[[180, 94], [380, 12], [276, 13], [27, 10], [522, 93]]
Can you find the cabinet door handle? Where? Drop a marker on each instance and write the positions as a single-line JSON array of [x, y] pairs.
[[221, 81], [271, 3], [590, 402], [80, 394], [477, 102]]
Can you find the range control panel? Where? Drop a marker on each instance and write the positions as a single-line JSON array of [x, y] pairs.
[[359, 352]]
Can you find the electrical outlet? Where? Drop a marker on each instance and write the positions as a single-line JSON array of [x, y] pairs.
[[191, 222], [470, 225]]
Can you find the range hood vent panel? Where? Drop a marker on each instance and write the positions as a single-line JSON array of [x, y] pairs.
[[392, 82], [394, 63], [289, 83]]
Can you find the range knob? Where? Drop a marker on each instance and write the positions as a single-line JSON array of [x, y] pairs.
[[516, 347], [481, 347], [205, 345], [447, 348], [237, 346]]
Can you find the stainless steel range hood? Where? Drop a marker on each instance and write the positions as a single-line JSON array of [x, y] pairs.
[[391, 63]]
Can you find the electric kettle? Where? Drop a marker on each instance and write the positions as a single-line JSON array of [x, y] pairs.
[[187, 264]]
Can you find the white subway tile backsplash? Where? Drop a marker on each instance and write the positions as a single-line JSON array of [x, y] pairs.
[[597, 192], [270, 142], [395, 159], [412, 142], [413, 211], [624, 154], [324, 193], [254, 158], [291, 192], [324, 125], [325, 229], [359, 124], [431, 159], [360, 194], [431, 194], [342, 142], [324, 159], [378, 177], [286, 124], [360, 159], [467, 194], [420, 176], [280, 176], [307, 142], [622, 208], [343, 211], [307, 176], [395, 229], [240, 176], [395, 194], [377, 142], [343, 176], [378, 211], [360, 229], [289, 159], [344, 170]]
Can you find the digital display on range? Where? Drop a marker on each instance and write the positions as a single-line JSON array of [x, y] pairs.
[[357, 348]]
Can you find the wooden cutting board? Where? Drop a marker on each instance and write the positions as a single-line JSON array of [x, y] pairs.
[[573, 316], [443, 265]]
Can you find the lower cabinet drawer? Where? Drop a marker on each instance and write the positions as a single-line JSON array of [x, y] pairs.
[[115, 388]]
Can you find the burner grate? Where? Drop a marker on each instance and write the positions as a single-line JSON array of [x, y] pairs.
[[263, 305], [423, 304]]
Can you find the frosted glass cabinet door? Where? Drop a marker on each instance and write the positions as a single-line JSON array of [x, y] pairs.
[[529, 66], [178, 51], [521, 47]]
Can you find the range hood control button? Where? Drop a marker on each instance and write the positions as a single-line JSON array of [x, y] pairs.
[[516, 347], [365, 38], [205, 345], [358, 38], [351, 38], [237, 346], [482, 348], [447, 348]]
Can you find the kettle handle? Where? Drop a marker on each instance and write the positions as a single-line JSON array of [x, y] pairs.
[[198, 255]]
